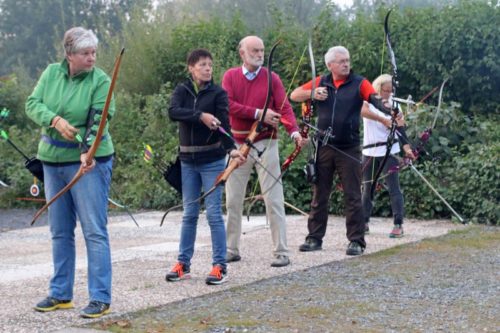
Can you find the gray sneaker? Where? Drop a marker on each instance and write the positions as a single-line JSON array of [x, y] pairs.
[[280, 261], [232, 257]]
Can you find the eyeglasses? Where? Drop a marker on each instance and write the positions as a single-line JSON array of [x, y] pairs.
[[85, 53], [342, 62]]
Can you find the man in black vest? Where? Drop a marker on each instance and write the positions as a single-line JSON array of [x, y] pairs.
[[339, 97]]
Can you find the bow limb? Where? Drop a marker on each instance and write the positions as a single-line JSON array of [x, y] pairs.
[[307, 111], [392, 132], [93, 149], [313, 67], [439, 103]]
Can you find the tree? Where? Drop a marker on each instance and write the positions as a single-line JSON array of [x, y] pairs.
[[31, 31]]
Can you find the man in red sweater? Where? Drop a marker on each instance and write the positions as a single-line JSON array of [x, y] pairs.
[[246, 87]]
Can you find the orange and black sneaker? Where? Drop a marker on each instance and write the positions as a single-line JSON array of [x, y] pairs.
[[51, 304], [397, 232], [179, 272], [218, 275]]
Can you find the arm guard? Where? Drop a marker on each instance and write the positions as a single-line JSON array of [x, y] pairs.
[[376, 101], [93, 119]]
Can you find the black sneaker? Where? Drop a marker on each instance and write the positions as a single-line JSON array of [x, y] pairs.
[[311, 244], [51, 304], [178, 272], [218, 275], [95, 309], [354, 249]]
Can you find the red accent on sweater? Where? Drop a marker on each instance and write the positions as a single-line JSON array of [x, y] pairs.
[[246, 96]]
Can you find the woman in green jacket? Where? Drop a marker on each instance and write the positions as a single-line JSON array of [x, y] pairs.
[[67, 102]]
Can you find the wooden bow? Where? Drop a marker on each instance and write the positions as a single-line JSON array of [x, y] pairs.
[[95, 145]]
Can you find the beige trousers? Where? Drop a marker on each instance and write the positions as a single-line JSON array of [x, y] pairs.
[[274, 200]]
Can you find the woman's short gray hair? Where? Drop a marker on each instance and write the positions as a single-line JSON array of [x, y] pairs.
[[332, 53], [78, 38]]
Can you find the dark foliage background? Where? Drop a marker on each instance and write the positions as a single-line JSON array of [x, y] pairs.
[[458, 40]]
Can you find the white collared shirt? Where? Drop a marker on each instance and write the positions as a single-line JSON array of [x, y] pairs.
[[250, 75]]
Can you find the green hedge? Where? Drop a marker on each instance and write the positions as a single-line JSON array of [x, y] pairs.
[[462, 152]]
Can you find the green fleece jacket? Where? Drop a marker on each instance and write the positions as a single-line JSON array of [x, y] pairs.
[[58, 94]]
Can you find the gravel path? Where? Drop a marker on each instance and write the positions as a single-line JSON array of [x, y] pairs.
[[13, 219], [447, 284], [398, 289]]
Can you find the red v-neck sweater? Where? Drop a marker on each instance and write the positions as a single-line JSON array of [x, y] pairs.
[[246, 96]]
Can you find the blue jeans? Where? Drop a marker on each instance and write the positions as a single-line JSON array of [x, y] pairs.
[[196, 177], [88, 199]]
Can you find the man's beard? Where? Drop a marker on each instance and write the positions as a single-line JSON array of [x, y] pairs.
[[256, 62]]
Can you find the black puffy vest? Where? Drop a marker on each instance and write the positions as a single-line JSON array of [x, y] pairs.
[[341, 110]]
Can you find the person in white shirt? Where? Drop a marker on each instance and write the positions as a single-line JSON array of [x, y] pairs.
[[376, 129]]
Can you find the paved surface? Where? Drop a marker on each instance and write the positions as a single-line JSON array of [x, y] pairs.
[[142, 256]]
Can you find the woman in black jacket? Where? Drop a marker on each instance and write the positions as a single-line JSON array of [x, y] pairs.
[[201, 107]]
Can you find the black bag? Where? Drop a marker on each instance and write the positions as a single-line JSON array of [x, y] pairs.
[[311, 172], [173, 175], [34, 165]]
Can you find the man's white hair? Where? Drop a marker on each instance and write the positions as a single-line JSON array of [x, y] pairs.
[[332, 53]]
